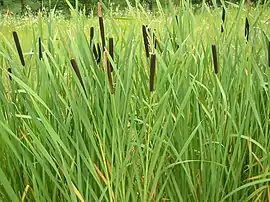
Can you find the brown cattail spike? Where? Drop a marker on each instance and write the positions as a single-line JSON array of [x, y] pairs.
[[92, 31], [214, 53], [39, 48], [152, 71], [247, 29], [223, 19], [145, 39], [91, 35], [77, 71], [102, 32], [111, 51], [18, 46], [101, 25]]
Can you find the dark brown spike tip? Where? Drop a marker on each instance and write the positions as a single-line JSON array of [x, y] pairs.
[[102, 32], [247, 29], [145, 39], [215, 61], [9, 73], [39, 48], [18, 46], [92, 31], [223, 19]]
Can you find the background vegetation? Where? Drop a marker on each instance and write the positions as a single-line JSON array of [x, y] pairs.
[[16, 6]]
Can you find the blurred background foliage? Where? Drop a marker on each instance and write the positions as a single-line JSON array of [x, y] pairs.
[[20, 6]]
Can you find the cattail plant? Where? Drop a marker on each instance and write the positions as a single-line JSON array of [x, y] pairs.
[[101, 25], [39, 48], [215, 61], [18, 46], [247, 29], [145, 39], [77, 71], [223, 19], [152, 71]]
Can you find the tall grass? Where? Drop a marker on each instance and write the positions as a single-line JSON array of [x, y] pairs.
[[197, 136]]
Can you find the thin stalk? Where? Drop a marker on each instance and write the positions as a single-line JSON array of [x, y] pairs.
[[269, 53], [109, 72], [146, 175]]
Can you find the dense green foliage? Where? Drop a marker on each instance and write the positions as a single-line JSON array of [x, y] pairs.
[[199, 136], [18, 6]]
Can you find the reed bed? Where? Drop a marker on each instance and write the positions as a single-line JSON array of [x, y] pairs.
[[136, 108]]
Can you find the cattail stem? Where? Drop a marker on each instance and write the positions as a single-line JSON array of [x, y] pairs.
[[111, 52], [18, 46], [269, 53], [152, 71], [39, 48], [215, 61], [247, 29], [77, 71], [223, 19], [145, 39]]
